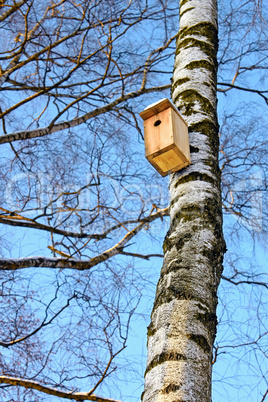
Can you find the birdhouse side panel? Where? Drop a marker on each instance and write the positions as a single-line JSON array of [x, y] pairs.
[[158, 132], [180, 136]]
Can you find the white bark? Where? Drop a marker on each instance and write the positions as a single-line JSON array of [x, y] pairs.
[[183, 322]]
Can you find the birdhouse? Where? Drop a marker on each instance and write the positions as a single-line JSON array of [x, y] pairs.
[[166, 137]]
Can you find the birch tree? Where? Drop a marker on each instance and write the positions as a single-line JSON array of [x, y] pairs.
[[183, 326], [183, 321], [80, 207]]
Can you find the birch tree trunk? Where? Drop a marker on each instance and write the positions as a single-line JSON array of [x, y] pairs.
[[183, 321]]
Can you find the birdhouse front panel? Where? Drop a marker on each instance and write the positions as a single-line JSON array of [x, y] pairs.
[[165, 137], [157, 133]]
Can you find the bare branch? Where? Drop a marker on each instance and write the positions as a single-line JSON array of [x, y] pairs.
[[42, 325], [44, 262], [76, 396], [22, 135], [254, 342], [12, 10], [18, 220], [248, 282], [142, 256], [264, 396], [259, 92]]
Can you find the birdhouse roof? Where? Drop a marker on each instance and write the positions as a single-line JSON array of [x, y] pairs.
[[158, 107]]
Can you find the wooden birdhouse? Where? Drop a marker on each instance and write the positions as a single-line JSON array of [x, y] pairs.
[[166, 137]]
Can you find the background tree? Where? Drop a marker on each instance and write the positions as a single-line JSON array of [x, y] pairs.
[[77, 192]]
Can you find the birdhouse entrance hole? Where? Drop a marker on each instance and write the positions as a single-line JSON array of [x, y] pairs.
[[157, 123]]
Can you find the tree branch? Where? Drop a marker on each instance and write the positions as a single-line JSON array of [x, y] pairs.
[[265, 395], [13, 219], [44, 262], [77, 396], [259, 92], [23, 135], [142, 256], [246, 282], [42, 325], [51, 229], [12, 10]]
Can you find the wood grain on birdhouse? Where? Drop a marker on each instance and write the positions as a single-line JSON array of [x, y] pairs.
[[166, 137]]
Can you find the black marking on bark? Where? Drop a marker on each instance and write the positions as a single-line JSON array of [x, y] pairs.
[[193, 176], [189, 97], [193, 150], [164, 357], [186, 11], [178, 242], [206, 29], [175, 292], [184, 2], [201, 341], [187, 214], [210, 130], [174, 266], [151, 331], [171, 388], [208, 319], [207, 65], [180, 82], [204, 127], [205, 47]]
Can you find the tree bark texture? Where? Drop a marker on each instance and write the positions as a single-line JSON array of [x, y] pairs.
[[183, 320]]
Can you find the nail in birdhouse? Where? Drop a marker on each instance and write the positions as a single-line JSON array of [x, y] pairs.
[[166, 137]]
